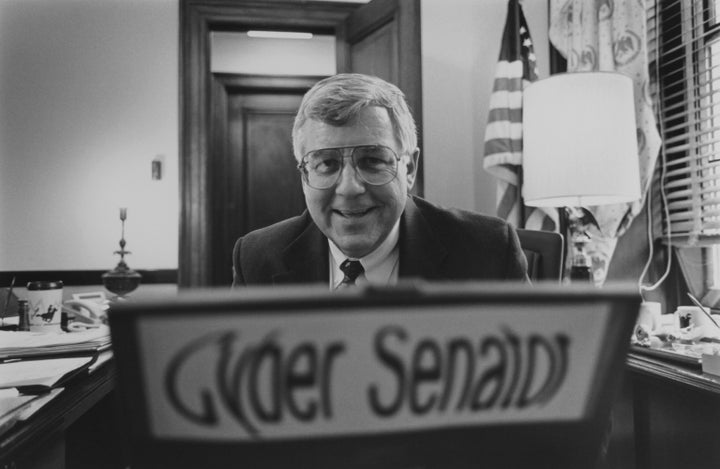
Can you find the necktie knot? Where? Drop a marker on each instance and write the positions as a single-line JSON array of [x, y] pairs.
[[352, 270]]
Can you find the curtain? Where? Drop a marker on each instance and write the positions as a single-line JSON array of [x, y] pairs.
[[607, 35]]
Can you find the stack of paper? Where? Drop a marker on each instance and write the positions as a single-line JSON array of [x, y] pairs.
[[35, 366], [15, 345], [33, 376]]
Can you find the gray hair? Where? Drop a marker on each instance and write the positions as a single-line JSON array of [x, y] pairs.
[[338, 99]]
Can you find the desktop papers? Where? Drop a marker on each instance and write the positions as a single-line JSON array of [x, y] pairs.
[[18, 345], [40, 373]]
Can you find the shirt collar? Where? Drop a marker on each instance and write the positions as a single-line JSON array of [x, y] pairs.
[[378, 265]]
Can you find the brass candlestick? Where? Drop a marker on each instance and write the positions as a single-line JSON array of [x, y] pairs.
[[122, 279]]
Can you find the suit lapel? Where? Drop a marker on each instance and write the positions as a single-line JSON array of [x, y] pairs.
[[421, 253], [306, 258]]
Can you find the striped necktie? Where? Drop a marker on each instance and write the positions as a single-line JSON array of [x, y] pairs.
[[351, 269]]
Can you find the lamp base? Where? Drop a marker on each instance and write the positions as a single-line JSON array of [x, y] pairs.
[[580, 263], [121, 280], [581, 273]]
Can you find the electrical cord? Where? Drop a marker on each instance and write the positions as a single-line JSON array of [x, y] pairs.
[[663, 170]]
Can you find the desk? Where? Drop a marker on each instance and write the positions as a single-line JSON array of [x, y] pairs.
[[74, 430], [667, 416]]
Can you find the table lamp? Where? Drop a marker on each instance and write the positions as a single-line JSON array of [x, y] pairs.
[[580, 148]]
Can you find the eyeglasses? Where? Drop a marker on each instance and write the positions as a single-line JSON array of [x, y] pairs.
[[376, 165]]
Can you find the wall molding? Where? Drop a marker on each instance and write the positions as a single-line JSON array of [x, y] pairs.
[[82, 277]]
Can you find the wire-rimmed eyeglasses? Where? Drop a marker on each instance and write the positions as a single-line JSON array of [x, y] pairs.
[[376, 165]]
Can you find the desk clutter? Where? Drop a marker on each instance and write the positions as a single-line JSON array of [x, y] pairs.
[[30, 378], [34, 345], [45, 343], [44, 311], [689, 336]]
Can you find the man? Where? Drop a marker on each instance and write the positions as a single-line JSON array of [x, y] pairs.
[[356, 146]]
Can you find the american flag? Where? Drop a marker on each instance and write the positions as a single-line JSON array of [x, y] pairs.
[[516, 68]]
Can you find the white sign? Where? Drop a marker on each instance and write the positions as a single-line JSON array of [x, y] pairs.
[[238, 377]]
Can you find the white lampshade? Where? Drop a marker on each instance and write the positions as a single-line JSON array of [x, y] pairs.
[[579, 141]]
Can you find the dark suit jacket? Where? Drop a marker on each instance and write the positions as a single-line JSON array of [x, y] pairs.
[[435, 244]]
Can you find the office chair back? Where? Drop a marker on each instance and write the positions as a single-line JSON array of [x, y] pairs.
[[544, 251]]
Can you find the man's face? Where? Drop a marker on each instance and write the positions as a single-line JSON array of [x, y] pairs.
[[357, 216]]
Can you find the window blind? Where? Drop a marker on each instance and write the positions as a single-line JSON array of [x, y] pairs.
[[684, 53]]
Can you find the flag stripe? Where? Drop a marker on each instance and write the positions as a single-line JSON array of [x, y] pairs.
[[508, 84], [505, 114], [506, 172], [512, 68], [516, 67], [502, 151], [505, 130], [507, 99], [508, 200]]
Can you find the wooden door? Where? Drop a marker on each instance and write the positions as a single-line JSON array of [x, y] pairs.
[[216, 206], [255, 180], [382, 38]]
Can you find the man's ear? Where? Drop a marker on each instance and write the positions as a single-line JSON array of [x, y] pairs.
[[412, 168]]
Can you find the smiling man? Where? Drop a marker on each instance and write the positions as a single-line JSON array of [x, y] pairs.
[[355, 143]]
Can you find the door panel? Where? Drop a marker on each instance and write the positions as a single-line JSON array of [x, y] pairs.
[[272, 185], [254, 177], [377, 54], [382, 38]]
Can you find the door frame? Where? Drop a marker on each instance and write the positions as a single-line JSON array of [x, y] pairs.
[[198, 18]]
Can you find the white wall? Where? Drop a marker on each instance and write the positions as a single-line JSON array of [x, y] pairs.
[[460, 46], [88, 97]]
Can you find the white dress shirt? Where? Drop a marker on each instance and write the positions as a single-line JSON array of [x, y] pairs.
[[381, 265]]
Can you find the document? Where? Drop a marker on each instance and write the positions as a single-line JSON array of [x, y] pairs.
[[15, 345], [41, 375]]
